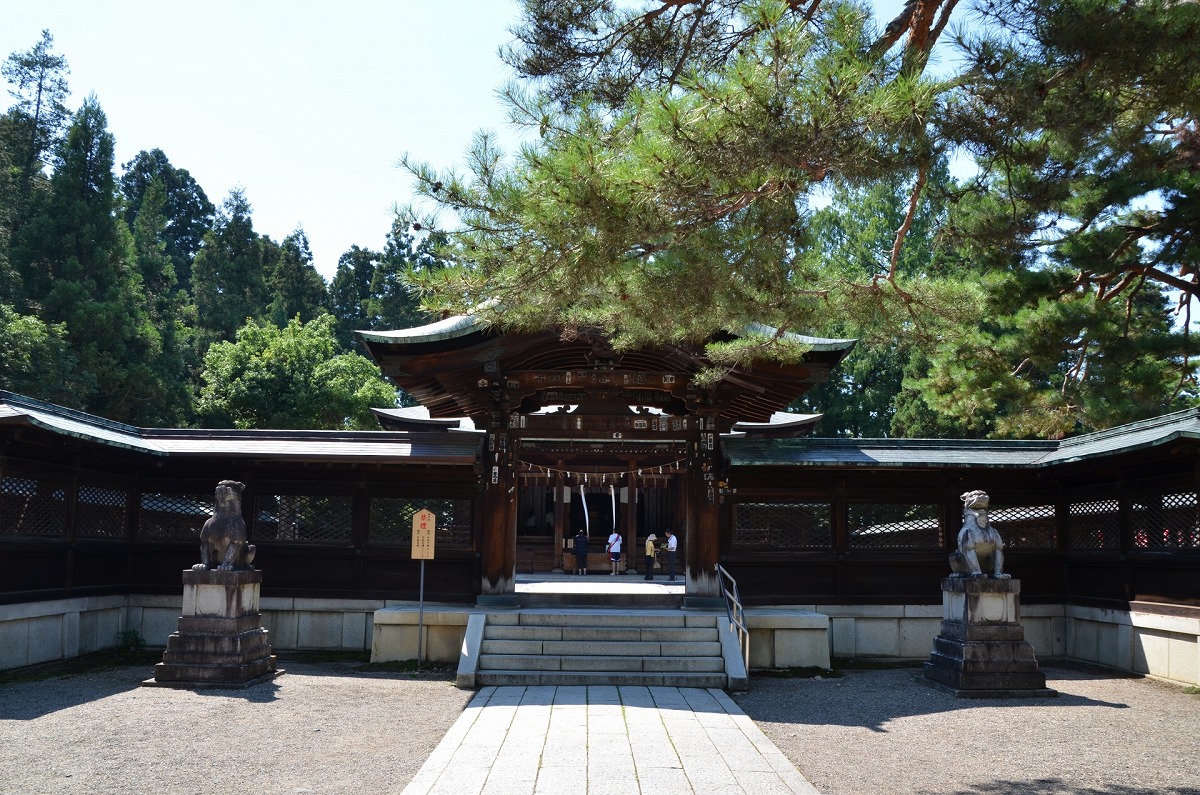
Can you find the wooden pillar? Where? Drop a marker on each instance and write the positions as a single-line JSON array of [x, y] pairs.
[[634, 554], [499, 517], [560, 562], [704, 512]]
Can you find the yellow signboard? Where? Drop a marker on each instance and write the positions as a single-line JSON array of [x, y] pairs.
[[422, 535]]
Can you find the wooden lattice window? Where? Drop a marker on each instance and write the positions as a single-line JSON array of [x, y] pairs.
[[303, 518], [1166, 521], [894, 526], [392, 517], [100, 511], [32, 506], [1025, 526], [782, 525], [174, 516], [1094, 525]]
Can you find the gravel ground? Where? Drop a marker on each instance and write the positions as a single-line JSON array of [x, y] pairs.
[[319, 728], [883, 732], [328, 728]]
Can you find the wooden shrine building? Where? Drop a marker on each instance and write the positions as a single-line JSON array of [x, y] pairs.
[[576, 433], [523, 439]]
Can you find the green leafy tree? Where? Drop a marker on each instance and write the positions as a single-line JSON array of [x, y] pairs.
[[187, 210], [36, 359], [228, 282], [296, 287], [292, 377]]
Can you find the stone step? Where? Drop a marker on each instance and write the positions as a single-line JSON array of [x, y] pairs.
[[599, 663], [613, 649], [580, 618], [599, 634], [627, 600], [615, 678]]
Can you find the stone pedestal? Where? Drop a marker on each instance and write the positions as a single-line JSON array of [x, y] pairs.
[[981, 651], [220, 641]]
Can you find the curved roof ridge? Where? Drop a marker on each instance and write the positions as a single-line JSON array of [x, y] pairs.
[[471, 321]]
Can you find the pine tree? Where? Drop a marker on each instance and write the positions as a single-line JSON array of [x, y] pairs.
[[681, 148]]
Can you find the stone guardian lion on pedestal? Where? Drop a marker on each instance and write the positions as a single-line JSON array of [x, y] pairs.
[[980, 548], [223, 538]]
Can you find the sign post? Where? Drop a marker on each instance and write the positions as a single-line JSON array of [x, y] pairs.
[[424, 523]]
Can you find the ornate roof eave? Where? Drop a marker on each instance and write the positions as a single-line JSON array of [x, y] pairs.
[[460, 326], [440, 363]]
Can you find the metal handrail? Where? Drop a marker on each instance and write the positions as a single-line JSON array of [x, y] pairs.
[[735, 612]]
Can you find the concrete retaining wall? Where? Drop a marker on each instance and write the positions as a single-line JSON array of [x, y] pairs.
[[1163, 646], [906, 632], [39, 632]]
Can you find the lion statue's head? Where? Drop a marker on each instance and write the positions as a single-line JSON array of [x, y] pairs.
[[974, 500]]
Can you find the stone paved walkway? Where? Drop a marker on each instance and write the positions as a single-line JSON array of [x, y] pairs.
[[597, 740]]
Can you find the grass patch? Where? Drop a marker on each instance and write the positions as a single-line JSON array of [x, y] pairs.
[[105, 660], [855, 664], [318, 656], [431, 669], [806, 672], [1192, 690]]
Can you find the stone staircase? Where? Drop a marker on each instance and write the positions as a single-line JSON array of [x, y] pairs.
[[654, 647]]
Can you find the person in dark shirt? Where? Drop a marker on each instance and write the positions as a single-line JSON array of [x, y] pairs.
[[581, 552]]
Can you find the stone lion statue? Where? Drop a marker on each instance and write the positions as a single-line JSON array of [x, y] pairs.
[[223, 538], [980, 549]]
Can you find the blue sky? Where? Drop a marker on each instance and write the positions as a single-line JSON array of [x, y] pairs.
[[307, 106]]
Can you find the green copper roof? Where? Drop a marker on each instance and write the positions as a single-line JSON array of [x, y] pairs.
[[963, 452], [815, 343], [463, 325], [364, 446], [450, 328], [460, 448]]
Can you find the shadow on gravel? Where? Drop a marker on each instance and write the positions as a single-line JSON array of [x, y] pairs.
[[28, 700], [1057, 786], [872, 699], [30, 693]]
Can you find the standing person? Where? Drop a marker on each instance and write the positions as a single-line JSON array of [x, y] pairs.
[[650, 549], [581, 552], [672, 547], [614, 551]]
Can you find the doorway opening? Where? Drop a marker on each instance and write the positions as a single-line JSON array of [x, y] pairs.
[[550, 516]]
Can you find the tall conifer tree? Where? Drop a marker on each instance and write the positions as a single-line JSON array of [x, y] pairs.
[[228, 283], [80, 269]]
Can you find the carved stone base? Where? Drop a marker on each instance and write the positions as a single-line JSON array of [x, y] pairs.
[[220, 641], [981, 651]]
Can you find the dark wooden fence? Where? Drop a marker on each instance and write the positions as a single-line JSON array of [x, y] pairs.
[[798, 536]]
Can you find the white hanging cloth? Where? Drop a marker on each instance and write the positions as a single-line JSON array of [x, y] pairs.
[[613, 496], [587, 525]]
